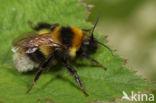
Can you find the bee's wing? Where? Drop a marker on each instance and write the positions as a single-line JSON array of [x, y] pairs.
[[24, 36], [32, 43]]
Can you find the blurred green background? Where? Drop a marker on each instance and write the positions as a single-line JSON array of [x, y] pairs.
[[131, 29]]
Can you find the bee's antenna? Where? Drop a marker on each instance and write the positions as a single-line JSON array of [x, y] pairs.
[[92, 36], [105, 46]]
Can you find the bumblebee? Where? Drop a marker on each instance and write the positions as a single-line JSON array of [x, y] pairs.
[[55, 42]]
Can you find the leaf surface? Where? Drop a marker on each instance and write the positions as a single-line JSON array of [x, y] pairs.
[[59, 87]]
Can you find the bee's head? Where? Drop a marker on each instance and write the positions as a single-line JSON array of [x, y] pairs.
[[90, 44]]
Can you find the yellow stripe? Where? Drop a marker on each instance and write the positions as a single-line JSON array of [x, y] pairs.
[[55, 35], [76, 42], [44, 49], [43, 31]]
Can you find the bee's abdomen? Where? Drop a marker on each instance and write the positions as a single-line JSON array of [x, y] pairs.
[[23, 63], [37, 56]]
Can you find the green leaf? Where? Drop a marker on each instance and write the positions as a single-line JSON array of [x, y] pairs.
[[59, 87]]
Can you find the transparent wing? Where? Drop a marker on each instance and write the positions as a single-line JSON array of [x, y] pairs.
[[34, 41], [23, 37]]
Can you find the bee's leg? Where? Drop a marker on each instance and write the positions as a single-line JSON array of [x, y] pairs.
[[74, 73], [43, 67], [93, 60], [86, 30], [42, 25]]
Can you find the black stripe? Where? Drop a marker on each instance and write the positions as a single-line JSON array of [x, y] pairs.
[[37, 56], [43, 25], [66, 35]]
